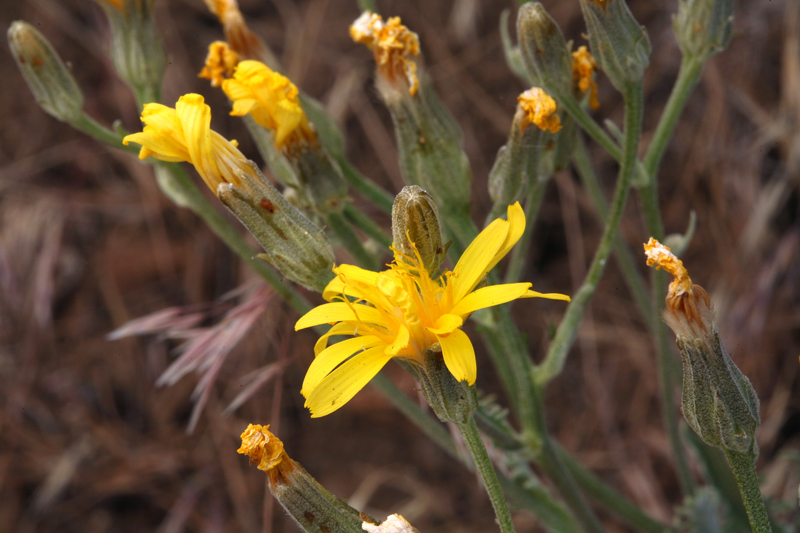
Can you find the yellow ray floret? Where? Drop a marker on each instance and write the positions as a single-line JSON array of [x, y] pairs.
[[392, 43], [406, 312], [220, 63], [540, 109], [184, 134], [271, 99], [583, 66]]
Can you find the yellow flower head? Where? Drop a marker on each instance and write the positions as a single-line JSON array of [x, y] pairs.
[[688, 310], [241, 39], [402, 311], [266, 450], [540, 109], [184, 134], [392, 43], [271, 99], [220, 63], [583, 66]]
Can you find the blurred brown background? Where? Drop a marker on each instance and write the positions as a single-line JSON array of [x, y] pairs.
[[87, 242]]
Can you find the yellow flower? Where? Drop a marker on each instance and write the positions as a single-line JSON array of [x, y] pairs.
[[220, 63], [184, 134], [583, 66], [393, 44], [271, 99], [540, 109], [406, 312], [689, 311]]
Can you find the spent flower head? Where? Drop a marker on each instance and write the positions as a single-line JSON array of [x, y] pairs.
[[243, 41], [394, 46], [583, 68], [220, 63], [540, 109], [184, 134], [402, 313]]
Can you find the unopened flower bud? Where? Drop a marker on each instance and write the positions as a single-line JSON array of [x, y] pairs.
[[703, 27], [620, 45], [313, 508], [415, 224], [719, 403], [48, 78], [544, 50], [293, 244], [136, 50]]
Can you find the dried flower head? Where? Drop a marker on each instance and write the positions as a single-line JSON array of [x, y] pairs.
[[262, 447], [540, 109], [394, 47], [272, 100], [241, 39], [185, 134], [583, 67], [689, 311], [220, 63]]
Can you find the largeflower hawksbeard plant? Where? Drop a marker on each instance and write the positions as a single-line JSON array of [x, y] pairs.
[[401, 312]]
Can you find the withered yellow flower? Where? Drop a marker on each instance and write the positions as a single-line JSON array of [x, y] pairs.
[[241, 39], [184, 134], [394, 47], [266, 450], [540, 109], [689, 312], [406, 312], [271, 99], [583, 66], [220, 63]]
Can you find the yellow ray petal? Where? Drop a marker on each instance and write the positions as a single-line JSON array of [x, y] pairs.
[[342, 328], [445, 324], [472, 265], [400, 342], [339, 312], [344, 382], [359, 282], [516, 227], [332, 357], [490, 296], [459, 356], [548, 295]]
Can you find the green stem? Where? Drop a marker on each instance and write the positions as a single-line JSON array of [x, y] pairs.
[[687, 79], [550, 461], [92, 128], [472, 438], [519, 254], [622, 252], [610, 498], [568, 329], [147, 95], [350, 241], [744, 468], [370, 190], [358, 219]]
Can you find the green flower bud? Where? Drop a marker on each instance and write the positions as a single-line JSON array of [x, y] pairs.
[[415, 220], [136, 50], [293, 244], [312, 507], [544, 50], [719, 403], [620, 45], [703, 27], [48, 78]]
